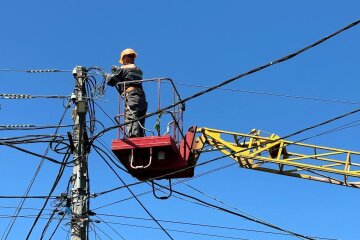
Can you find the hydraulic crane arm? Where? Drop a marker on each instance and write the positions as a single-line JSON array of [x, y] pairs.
[[275, 155]]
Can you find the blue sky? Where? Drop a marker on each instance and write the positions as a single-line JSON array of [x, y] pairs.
[[193, 42]]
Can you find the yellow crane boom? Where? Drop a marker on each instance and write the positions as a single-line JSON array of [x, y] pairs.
[[272, 154]]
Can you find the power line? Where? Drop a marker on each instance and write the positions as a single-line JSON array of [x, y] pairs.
[[240, 215], [272, 94], [345, 126], [235, 208], [24, 208], [25, 216], [57, 179], [178, 182], [56, 228], [132, 193], [252, 71], [27, 197], [34, 70], [31, 126], [35, 154], [180, 231], [102, 231], [112, 227], [204, 225], [336, 129], [28, 96], [218, 158]]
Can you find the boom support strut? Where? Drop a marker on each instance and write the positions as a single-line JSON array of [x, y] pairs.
[[275, 155]]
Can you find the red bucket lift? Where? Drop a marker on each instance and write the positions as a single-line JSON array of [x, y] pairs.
[[165, 156]]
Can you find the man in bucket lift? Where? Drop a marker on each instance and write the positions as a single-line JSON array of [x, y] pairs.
[[132, 92]]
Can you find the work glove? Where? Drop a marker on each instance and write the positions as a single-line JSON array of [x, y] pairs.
[[114, 68]]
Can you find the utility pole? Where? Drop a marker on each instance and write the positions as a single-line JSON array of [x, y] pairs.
[[79, 191]]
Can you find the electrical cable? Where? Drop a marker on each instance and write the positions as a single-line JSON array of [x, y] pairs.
[[272, 94], [240, 215], [56, 210], [111, 228], [24, 208], [252, 71], [132, 193], [47, 225], [218, 158], [144, 193], [178, 182], [36, 154], [34, 71], [228, 205], [28, 197], [263, 222], [56, 228], [111, 119], [28, 96], [26, 216], [336, 129], [110, 158], [95, 233], [102, 231], [31, 127], [180, 231], [204, 225], [57, 179]]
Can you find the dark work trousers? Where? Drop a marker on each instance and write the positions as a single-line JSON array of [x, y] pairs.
[[135, 107]]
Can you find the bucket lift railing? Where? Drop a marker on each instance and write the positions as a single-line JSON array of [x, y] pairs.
[[176, 113]]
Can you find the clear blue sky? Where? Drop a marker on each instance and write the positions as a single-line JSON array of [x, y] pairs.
[[193, 42]]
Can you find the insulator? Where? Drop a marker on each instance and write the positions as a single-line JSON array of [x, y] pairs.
[[17, 126], [15, 96], [42, 71]]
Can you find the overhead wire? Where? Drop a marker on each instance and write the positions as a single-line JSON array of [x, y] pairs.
[[102, 231], [221, 157], [180, 231], [56, 181], [31, 127], [234, 208], [27, 197], [271, 94], [36, 154], [44, 216], [211, 160], [28, 96], [247, 73], [326, 132], [110, 158], [24, 208], [205, 225], [112, 228], [252, 218], [34, 70], [270, 225], [51, 218], [336, 129], [56, 227], [132, 193], [94, 230], [252, 71], [144, 193]]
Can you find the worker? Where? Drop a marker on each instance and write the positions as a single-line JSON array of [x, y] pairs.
[[132, 92]]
